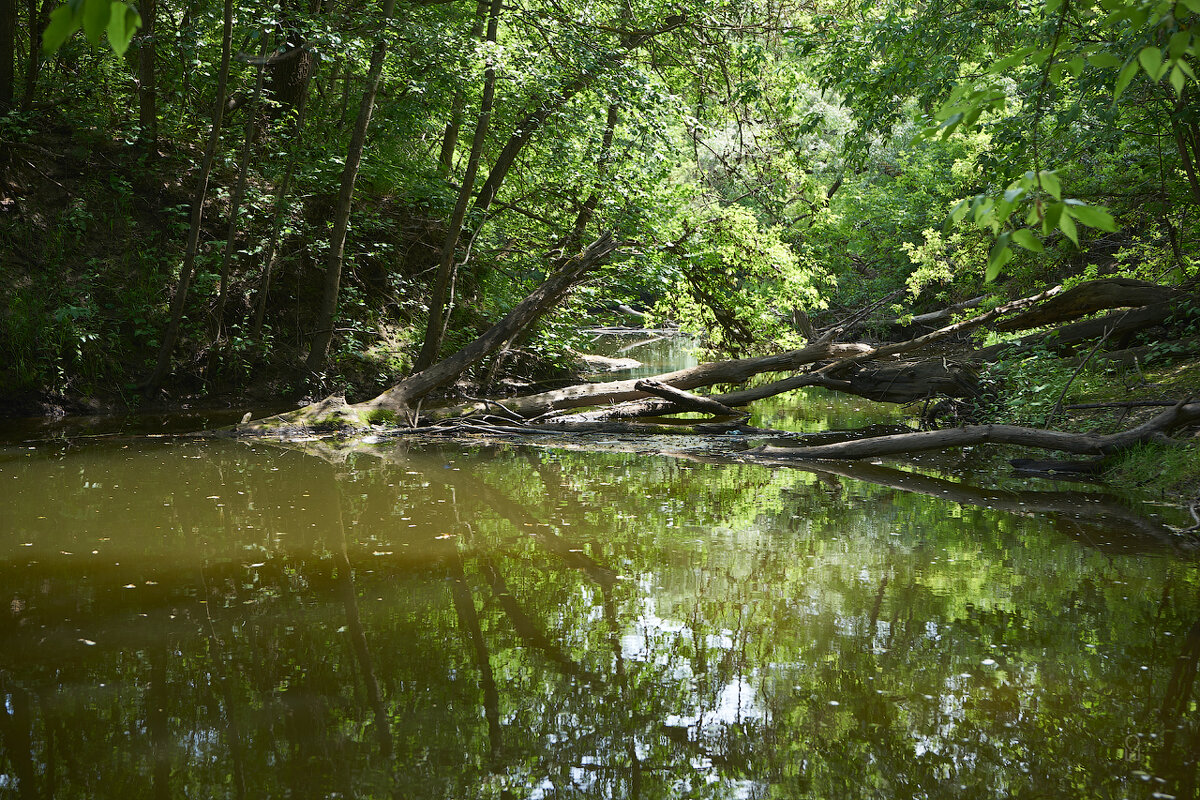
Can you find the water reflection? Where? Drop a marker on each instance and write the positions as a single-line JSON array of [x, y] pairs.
[[402, 620]]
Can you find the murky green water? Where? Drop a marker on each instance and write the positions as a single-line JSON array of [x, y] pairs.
[[222, 619]]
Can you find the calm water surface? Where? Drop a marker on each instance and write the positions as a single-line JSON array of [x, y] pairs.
[[436, 620]]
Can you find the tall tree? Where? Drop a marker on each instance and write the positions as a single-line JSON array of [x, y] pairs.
[[179, 300], [435, 326], [8, 52], [319, 349], [147, 86]]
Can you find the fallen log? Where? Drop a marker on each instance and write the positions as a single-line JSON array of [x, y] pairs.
[[687, 400], [676, 400], [907, 381], [618, 392], [1088, 298], [931, 319], [591, 394], [1063, 339], [1155, 430]]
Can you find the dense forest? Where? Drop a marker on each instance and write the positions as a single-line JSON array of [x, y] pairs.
[[242, 203]]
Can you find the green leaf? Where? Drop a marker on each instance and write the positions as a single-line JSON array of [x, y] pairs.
[[1124, 78], [63, 22], [1014, 193], [1026, 239], [1177, 81], [958, 212], [1001, 254], [1093, 217], [1191, 5], [1179, 44], [1050, 220], [1067, 226], [124, 21], [1039, 56], [1050, 183], [1052, 6], [1152, 61], [95, 18], [1008, 62], [1104, 60]]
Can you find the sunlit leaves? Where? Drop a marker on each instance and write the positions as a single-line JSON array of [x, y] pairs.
[[96, 17], [1032, 192]]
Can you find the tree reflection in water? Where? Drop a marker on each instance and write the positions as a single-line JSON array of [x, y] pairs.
[[454, 621]]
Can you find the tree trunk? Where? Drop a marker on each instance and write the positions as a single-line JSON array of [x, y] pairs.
[[8, 53], [532, 122], [569, 273], [1080, 443], [235, 211], [147, 87], [454, 124], [590, 394], [435, 325], [281, 204], [39, 18], [522, 134], [179, 301], [1087, 298], [341, 215], [334, 411]]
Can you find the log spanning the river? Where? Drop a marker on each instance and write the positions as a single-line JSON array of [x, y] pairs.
[[823, 362], [1156, 430]]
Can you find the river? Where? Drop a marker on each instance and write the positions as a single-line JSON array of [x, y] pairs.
[[420, 619]]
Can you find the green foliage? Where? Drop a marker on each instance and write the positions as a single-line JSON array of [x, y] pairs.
[[738, 285], [115, 19], [1164, 469]]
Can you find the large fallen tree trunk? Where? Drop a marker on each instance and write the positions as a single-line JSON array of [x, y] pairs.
[[913, 381], [1155, 430], [1063, 339], [1087, 298], [591, 394]]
